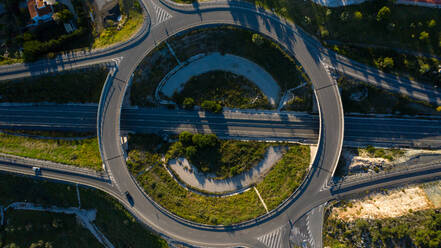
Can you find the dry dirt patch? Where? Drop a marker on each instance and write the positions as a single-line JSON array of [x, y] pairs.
[[390, 204]]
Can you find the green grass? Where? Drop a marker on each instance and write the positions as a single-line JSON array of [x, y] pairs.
[[286, 176], [112, 35], [34, 228], [389, 154], [379, 101], [228, 89], [84, 86], [116, 223], [49, 134], [82, 153], [164, 190], [417, 229], [280, 182]]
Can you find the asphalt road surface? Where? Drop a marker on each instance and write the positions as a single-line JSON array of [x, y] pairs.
[[165, 19], [243, 124]]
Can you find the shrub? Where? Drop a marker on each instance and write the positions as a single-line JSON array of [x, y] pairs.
[[424, 68], [431, 23], [358, 15], [191, 151], [424, 36], [186, 138], [188, 103], [257, 39], [211, 106], [383, 13]]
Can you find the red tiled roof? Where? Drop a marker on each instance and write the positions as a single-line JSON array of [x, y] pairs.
[[35, 10], [31, 8]]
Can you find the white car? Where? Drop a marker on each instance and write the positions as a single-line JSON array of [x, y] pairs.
[[36, 170]]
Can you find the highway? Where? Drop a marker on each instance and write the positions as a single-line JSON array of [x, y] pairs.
[[307, 50], [249, 125]]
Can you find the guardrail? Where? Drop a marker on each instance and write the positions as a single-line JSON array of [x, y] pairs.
[[101, 107], [359, 179], [52, 165]]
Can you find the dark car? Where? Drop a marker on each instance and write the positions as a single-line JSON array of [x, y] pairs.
[[130, 198]]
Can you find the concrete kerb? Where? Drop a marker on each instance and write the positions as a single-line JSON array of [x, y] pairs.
[[103, 97]]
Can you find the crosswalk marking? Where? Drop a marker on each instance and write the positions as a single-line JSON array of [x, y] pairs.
[[272, 239], [161, 14]]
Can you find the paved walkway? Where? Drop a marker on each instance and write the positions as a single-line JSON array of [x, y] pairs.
[[217, 62], [200, 181]]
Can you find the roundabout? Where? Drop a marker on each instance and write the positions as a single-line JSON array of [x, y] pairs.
[[313, 191]]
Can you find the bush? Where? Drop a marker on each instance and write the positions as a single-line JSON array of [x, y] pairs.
[[431, 24], [186, 138], [424, 36], [424, 68], [191, 151], [257, 39], [205, 141], [358, 15], [211, 106], [188, 103], [383, 14]]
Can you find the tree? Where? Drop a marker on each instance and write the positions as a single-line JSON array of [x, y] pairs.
[[383, 13], [384, 63], [358, 15], [431, 23], [257, 39], [424, 68], [211, 106], [388, 63], [205, 141], [424, 36], [190, 152], [186, 138], [188, 103], [62, 16]]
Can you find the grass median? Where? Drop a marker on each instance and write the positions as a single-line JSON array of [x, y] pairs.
[[82, 152], [112, 219], [145, 163]]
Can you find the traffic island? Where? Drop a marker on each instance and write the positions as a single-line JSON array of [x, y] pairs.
[[146, 163]]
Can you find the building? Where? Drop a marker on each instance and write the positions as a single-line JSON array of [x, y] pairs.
[[40, 10]]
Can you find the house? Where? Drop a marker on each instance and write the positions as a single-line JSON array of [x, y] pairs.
[[40, 10]]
